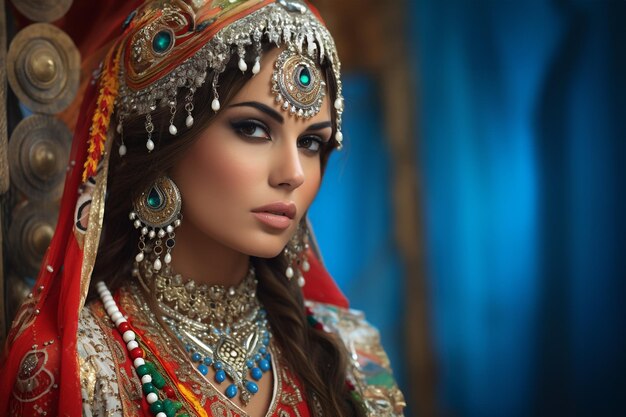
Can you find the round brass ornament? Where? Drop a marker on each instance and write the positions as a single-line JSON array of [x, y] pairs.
[[38, 155], [43, 68], [42, 10], [30, 233]]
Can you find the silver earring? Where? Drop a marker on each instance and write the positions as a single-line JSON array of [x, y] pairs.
[[157, 213], [295, 253]]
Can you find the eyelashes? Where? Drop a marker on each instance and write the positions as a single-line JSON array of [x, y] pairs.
[[257, 130]]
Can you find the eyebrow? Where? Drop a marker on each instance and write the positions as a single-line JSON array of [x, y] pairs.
[[261, 107], [320, 125]]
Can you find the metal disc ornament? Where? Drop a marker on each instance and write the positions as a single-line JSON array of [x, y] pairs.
[[30, 232], [42, 10], [43, 68], [39, 150], [160, 204]]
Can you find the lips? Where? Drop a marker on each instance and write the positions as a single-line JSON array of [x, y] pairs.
[[279, 209], [277, 215]]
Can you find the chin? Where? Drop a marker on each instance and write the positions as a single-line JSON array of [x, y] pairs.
[[264, 245]]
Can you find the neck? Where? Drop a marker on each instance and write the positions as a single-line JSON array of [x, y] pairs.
[[205, 261]]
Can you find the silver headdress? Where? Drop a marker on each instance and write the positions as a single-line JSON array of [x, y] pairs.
[[176, 44]]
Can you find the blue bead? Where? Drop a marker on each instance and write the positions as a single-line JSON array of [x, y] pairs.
[[249, 364], [203, 369], [257, 357], [220, 376], [262, 351], [187, 347], [208, 361], [264, 364], [266, 342], [217, 365], [252, 387], [231, 391], [196, 357], [216, 331], [256, 373]]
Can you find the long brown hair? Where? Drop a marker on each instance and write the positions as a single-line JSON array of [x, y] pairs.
[[317, 359]]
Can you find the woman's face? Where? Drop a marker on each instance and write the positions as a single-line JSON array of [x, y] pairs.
[[253, 154]]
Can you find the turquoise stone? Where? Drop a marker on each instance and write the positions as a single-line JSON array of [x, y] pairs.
[[256, 373], [305, 77], [162, 41], [154, 199], [231, 391], [220, 376], [252, 387], [203, 369], [264, 365]]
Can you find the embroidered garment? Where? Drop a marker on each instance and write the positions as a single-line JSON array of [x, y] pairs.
[[110, 386]]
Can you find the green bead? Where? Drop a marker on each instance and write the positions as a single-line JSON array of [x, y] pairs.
[[162, 41], [183, 415], [148, 388], [154, 199], [156, 407], [151, 368], [171, 407], [142, 370], [157, 380]]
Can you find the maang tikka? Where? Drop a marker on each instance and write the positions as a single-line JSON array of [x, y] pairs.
[[156, 212], [295, 253]]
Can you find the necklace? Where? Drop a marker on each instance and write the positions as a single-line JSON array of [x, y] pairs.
[[219, 327]]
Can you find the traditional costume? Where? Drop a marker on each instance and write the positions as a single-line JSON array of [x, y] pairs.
[[114, 356]]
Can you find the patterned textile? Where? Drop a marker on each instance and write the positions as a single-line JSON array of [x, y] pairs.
[[110, 387]]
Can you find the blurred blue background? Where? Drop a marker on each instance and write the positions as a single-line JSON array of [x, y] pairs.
[[521, 145]]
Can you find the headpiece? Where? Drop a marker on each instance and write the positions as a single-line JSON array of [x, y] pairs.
[[174, 45]]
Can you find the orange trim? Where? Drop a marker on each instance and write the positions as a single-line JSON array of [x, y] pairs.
[[101, 120]]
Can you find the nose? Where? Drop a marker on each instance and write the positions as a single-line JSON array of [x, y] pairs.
[[287, 171]]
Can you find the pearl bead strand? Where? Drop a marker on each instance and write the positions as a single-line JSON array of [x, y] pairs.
[[151, 380]]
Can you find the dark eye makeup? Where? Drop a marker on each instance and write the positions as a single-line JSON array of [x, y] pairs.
[[255, 129]]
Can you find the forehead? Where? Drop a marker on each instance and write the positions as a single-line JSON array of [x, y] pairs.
[[290, 83]]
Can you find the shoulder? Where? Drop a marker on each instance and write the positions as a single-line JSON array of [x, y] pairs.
[[369, 369]]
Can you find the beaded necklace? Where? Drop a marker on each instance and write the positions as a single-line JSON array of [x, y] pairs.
[[226, 329]]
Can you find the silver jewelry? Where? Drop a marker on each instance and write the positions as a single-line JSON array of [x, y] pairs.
[[156, 214], [295, 253], [298, 85], [154, 67]]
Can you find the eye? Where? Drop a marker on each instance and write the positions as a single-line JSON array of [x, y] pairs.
[[251, 129], [312, 144]]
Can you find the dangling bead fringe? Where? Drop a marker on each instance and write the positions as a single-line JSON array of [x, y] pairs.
[[149, 129], [172, 129]]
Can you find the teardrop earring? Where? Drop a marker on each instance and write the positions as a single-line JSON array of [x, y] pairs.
[[157, 213]]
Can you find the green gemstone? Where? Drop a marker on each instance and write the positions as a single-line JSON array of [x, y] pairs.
[[156, 407], [154, 199], [142, 370], [305, 77], [148, 388], [162, 41]]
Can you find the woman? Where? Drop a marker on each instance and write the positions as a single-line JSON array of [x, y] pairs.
[[203, 144]]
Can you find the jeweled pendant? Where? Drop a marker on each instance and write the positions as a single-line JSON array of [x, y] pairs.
[[162, 41], [154, 199]]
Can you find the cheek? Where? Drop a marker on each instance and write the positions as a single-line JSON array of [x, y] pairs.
[[216, 176]]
